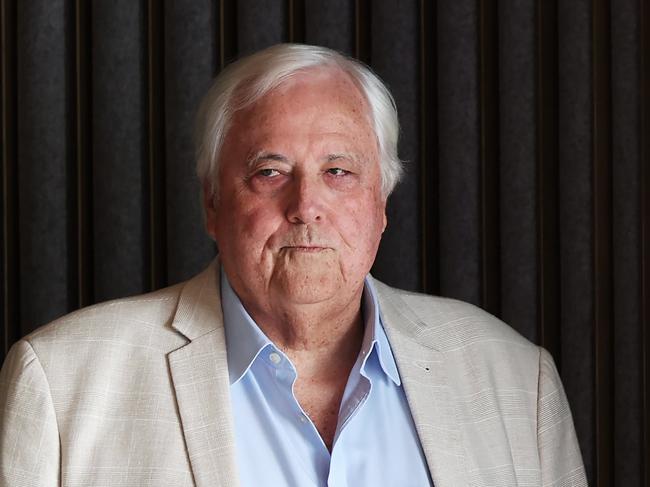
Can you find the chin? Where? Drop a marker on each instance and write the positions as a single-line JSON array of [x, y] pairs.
[[309, 287]]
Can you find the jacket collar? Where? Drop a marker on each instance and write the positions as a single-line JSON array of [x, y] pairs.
[[199, 373], [424, 374], [199, 305]]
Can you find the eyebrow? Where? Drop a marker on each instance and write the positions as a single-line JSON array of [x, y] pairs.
[[263, 155], [350, 156], [334, 157]]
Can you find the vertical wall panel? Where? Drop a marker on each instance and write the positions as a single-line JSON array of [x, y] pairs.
[[602, 208], [295, 23], [119, 148], [626, 237], [330, 23], [43, 163], [260, 23], [644, 223], [10, 249], [81, 240], [429, 201], [548, 251], [363, 30], [489, 154], [227, 32], [399, 254], [156, 258], [517, 171], [458, 122], [576, 217], [190, 61]]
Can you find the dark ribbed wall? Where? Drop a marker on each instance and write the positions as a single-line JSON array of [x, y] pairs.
[[526, 136]]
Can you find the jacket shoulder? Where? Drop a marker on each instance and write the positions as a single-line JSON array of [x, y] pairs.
[[130, 319], [446, 323]]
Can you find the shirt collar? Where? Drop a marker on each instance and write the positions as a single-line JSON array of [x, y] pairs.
[[374, 335], [245, 340]]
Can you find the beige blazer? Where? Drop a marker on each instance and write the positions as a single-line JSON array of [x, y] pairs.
[[135, 392]]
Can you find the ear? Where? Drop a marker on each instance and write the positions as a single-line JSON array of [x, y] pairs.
[[384, 202], [210, 210]]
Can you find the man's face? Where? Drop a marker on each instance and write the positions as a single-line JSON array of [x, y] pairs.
[[300, 210]]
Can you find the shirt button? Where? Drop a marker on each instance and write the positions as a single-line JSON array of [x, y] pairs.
[[275, 358], [303, 419]]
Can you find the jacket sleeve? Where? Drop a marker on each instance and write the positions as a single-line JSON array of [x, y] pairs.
[[559, 453], [29, 437]]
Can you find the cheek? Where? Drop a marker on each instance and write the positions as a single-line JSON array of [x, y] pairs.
[[247, 227], [363, 225], [259, 225]]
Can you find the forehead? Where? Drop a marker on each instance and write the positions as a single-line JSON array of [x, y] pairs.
[[324, 98]]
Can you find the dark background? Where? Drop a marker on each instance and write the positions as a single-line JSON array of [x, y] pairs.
[[525, 130]]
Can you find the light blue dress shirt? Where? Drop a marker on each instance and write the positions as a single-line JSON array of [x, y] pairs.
[[375, 443]]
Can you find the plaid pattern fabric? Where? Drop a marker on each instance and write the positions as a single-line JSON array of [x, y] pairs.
[[135, 392], [488, 405]]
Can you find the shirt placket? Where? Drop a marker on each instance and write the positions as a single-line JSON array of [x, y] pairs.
[[304, 429]]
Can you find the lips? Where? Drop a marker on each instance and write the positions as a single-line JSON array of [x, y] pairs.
[[305, 248]]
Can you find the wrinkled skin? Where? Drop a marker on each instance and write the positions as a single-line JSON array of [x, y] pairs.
[[300, 211]]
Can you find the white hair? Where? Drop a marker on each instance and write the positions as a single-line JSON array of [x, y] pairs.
[[247, 80]]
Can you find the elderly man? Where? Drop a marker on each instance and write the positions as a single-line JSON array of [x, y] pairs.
[[284, 362]]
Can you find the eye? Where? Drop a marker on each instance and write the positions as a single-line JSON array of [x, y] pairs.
[[268, 173], [337, 171]]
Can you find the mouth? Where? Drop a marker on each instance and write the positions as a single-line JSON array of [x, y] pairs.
[[308, 249]]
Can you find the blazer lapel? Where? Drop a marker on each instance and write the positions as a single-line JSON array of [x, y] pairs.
[[200, 378], [423, 372]]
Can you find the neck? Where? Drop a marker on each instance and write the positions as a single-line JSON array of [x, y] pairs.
[[315, 336]]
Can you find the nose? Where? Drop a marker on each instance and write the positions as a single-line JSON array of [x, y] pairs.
[[305, 201]]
